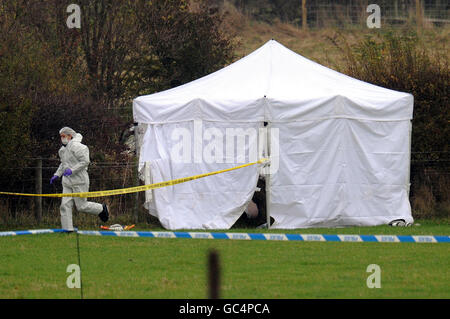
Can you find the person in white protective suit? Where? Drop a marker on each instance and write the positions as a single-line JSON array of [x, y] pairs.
[[75, 179]]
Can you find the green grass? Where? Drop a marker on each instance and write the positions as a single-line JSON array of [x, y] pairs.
[[35, 266]]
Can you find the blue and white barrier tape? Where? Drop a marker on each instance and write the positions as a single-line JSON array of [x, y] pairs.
[[31, 232], [269, 236], [248, 236]]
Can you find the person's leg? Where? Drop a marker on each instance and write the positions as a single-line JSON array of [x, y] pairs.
[[83, 205], [66, 210]]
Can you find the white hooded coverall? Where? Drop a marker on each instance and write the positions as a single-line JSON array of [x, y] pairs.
[[76, 157]]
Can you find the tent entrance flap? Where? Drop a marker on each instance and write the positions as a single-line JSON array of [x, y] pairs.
[[190, 148]]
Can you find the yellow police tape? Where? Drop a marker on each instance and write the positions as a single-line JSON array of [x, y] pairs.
[[137, 188]]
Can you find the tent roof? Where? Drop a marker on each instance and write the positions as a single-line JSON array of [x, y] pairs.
[[273, 83]]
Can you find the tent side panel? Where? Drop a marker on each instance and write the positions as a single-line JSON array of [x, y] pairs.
[[341, 172]]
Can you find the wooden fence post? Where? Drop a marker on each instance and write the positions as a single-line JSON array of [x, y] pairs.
[[304, 15], [419, 13], [396, 9], [38, 188]]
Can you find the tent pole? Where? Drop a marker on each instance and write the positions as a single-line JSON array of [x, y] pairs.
[[408, 182], [148, 180], [268, 198], [267, 171]]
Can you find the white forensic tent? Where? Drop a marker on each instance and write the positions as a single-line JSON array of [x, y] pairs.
[[340, 155]]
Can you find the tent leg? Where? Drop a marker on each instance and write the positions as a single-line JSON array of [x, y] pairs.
[[267, 171], [408, 182], [268, 199], [147, 181]]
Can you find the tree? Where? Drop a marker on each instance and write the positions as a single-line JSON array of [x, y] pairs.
[[39, 96], [110, 40], [138, 47], [53, 76], [182, 44]]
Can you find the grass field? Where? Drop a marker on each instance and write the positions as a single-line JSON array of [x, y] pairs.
[[34, 266]]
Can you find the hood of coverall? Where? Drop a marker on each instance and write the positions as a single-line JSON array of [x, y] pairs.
[[77, 138]]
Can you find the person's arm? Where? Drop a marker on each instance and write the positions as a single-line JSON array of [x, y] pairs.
[[81, 153]]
